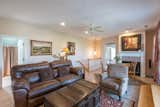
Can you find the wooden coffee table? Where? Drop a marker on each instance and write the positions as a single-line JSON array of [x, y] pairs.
[[79, 94]]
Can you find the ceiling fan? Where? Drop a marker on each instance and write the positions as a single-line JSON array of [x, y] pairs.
[[95, 28]]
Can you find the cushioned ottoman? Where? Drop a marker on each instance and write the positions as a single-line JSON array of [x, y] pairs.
[[79, 94]]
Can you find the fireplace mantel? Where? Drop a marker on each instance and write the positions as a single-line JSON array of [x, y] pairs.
[[131, 58], [134, 56]]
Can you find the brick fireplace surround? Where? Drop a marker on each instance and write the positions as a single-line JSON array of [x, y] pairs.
[[131, 58]]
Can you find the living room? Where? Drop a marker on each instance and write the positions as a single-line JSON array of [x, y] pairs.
[[95, 42]]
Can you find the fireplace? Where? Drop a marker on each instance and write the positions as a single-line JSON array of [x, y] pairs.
[[134, 63], [134, 57], [131, 67]]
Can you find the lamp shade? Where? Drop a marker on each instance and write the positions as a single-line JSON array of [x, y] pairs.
[[66, 50]]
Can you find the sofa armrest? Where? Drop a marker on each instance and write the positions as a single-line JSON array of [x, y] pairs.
[[20, 84], [101, 76], [123, 80], [78, 71], [20, 90], [20, 97], [123, 85], [120, 81]]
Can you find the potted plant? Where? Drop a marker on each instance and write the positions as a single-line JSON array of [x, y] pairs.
[[117, 59]]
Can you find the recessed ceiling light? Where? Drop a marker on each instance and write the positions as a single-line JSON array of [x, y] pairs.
[[126, 31], [63, 24], [86, 32]]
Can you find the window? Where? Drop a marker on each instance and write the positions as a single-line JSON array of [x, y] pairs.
[[110, 52]]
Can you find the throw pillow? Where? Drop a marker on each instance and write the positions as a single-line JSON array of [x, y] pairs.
[[32, 77], [46, 75], [63, 71]]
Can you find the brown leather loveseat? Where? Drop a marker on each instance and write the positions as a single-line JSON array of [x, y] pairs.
[[32, 81]]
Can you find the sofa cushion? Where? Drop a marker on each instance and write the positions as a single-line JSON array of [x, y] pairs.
[[43, 87], [67, 79], [55, 72], [110, 84], [46, 75], [32, 77], [65, 70]]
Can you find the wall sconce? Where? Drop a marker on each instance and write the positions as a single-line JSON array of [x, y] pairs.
[[94, 53]]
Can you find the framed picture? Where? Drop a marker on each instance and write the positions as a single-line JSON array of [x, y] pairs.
[[41, 48], [71, 47], [131, 43]]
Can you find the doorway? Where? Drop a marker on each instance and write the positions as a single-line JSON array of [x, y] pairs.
[[12, 50], [110, 52]]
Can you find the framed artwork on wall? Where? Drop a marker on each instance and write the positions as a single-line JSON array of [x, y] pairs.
[[131, 43], [41, 48], [71, 47]]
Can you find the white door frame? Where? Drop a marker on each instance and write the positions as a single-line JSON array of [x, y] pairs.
[[1, 61], [106, 45]]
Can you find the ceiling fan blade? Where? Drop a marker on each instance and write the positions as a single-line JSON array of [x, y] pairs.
[[97, 27], [91, 29], [98, 30]]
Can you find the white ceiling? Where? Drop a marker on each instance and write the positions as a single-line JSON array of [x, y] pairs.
[[115, 16]]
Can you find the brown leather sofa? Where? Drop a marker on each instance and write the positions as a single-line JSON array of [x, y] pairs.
[[32, 81]]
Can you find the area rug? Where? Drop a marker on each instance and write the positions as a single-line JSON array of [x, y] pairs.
[[108, 101], [128, 100]]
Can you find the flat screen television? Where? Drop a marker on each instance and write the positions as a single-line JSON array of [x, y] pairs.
[[131, 43]]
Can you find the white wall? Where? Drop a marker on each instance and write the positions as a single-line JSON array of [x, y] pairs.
[[27, 32]]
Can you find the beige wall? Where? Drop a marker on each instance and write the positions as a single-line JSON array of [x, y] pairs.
[[27, 32], [98, 48], [149, 51], [158, 67], [0, 63]]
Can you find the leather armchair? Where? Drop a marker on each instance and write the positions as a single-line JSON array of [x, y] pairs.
[[115, 80]]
